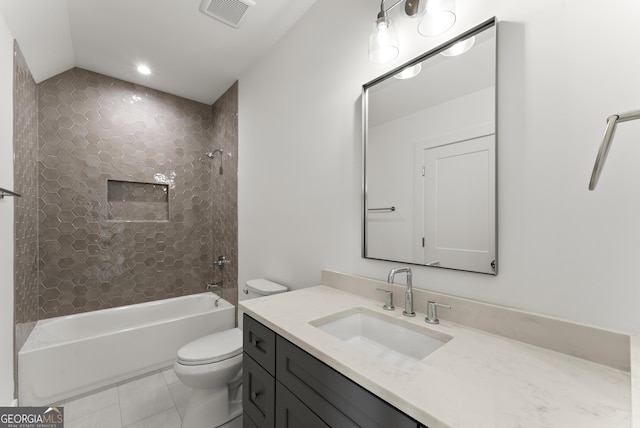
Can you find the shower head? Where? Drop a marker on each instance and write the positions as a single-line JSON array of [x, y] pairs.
[[609, 132], [210, 155]]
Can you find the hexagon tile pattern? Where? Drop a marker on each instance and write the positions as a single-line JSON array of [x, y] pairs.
[[25, 182], [224, 188], [94, 128]]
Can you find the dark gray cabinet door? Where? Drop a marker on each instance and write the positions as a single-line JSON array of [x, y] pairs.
[[337, 399], [247, 422], [292, 413], [258, 393], [285, 387], [259, 342]]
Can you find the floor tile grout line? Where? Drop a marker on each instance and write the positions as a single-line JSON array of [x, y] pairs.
[[118, 399], [156, 394], [90, 396], [115, 385], [175, 404], [119, 407]]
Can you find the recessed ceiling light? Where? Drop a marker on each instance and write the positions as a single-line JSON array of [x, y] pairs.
[[143, 69]]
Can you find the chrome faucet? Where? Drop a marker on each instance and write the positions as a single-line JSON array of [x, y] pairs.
[[408, 294], [388, 305], [211, 285], [432, 311]]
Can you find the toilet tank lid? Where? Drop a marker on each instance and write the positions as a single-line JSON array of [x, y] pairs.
[[212, 348], [264, 287]]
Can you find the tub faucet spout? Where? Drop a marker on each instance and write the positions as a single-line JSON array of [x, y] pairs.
[[408, 295]]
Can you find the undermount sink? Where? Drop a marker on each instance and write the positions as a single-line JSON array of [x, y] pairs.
[[393, 340]]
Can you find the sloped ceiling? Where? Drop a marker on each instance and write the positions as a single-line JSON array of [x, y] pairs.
[[190, 54]]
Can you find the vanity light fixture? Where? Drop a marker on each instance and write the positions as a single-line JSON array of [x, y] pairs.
[[383, 41], [143, 69], [409, 72], [434, 18], [460, 47]]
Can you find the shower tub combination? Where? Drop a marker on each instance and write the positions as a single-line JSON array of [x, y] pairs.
[[72, 355]]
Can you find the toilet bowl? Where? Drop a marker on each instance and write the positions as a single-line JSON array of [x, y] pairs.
[[212, 366]]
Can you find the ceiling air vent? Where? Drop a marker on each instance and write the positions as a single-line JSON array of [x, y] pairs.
[[231, 12]]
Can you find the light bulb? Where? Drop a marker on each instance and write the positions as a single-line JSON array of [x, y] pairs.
[[409, 72], [383, 42], [436, 16], [460, 47]]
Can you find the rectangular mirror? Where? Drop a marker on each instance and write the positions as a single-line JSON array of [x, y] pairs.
[[430, 157]]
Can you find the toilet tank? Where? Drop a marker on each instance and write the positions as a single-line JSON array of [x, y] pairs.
[[259, 288], [262, 287]]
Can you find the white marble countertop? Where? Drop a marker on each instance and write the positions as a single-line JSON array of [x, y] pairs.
[[476, 380]]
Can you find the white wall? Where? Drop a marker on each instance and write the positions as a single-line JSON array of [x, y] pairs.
[[6, 215], [564, 66]]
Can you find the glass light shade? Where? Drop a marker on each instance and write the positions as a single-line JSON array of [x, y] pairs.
[[436, 16], [383, 42], [460, 47], [409, 72]]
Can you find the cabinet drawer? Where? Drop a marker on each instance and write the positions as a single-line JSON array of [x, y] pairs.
[[340, 401], [258, 393], [260, 343], [248, 423], [292, 413]]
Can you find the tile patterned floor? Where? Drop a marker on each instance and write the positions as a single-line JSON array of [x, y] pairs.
[[154, 401]]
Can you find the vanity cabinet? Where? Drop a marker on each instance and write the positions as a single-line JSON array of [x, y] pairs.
[[258, 393], [286, 387], [292, 413], [258, 374]]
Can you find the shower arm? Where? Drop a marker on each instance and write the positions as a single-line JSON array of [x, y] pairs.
[[609, 132], [210, 155]]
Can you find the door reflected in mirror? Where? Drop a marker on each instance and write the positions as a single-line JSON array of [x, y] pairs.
[[430, 157]]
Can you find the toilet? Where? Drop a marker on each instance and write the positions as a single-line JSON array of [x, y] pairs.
[[212, 366]]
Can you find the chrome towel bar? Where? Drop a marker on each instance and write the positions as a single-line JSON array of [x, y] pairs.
[[5, 192], [609, 132], [382, 209]]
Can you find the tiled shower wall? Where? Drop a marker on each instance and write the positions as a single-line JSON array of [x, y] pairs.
[[224, 185], [94, 129], [25, 169]]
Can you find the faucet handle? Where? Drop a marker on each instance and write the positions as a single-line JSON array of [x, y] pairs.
[[388, 305], [432, 312], [221, 261], [212, 285]]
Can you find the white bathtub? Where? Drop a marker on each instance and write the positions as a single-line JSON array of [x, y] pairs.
[[72, 355]]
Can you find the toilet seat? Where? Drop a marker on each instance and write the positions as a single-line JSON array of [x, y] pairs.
[[212, 348]]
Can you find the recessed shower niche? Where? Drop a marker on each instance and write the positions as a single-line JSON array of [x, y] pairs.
[[136, 201]]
